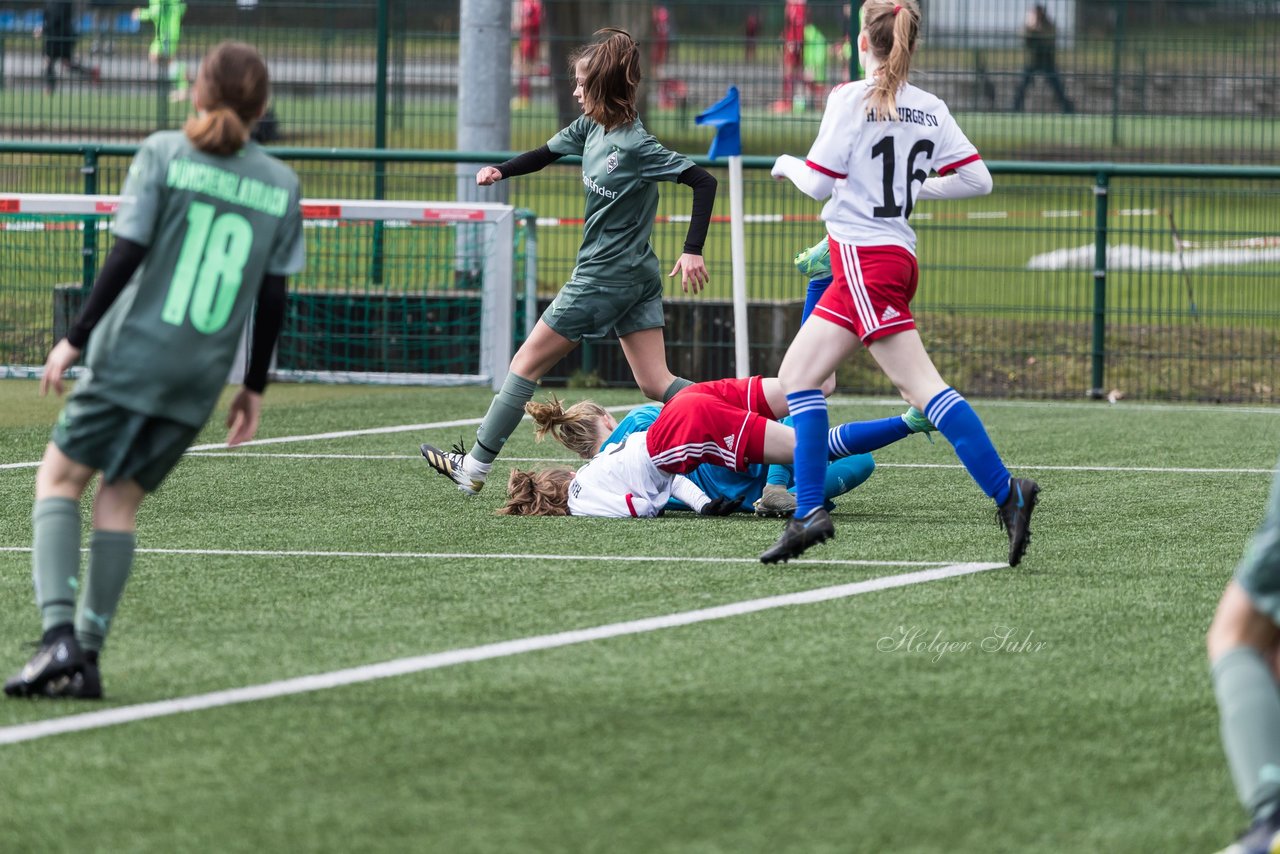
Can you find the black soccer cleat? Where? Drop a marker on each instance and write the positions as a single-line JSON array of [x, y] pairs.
[[1014, 515], [815, 527], [84, 684], [1262, 837], [51, 669]]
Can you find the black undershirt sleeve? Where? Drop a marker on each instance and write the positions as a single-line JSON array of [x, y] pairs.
[[530, 161], [122, 262], [704, 200], [267, 322]]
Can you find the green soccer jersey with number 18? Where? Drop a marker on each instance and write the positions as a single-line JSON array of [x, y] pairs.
[[213, 226], [620, 171]]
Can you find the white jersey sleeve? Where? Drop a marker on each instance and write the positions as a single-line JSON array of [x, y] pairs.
[[689, 493], [620, 482]]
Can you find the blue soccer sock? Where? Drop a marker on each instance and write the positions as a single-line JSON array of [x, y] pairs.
[[778, 475], [955, 419], [817, 287], [863, 437], [809, 412]]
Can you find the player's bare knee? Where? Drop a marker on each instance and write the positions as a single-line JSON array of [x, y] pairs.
[[654, 389], [829, 386]]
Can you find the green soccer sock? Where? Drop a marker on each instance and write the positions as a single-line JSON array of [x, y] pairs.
[[110, 561], [503, 417], [55, 559], [1249, 707], [678, 385]]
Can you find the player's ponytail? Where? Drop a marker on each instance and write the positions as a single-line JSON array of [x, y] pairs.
[[231, 92], [577, 428], [892, 27], [611, 78], [537, 493]]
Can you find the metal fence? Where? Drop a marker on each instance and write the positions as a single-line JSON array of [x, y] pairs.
[[1069, 280], [1145, 80]]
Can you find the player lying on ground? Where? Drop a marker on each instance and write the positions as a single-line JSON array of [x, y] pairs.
[[729, 423], [588, 429]]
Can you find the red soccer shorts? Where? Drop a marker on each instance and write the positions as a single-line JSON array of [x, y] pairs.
[[871, 290], [720, 422]]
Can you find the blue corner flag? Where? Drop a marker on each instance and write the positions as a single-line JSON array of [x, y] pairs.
[[726, 117]]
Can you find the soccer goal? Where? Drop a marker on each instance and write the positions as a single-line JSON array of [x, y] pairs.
[[397, 292]]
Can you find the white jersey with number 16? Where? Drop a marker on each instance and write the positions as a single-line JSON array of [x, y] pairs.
[[879, 165]]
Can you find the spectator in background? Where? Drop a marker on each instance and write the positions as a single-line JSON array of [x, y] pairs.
[[529, 22], [795, 16], [166, 17], [59, 34], [815, 66], [1040, 37], [672, 91], [752, 34]]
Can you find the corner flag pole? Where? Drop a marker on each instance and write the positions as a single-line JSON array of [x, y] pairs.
[[725, 117]]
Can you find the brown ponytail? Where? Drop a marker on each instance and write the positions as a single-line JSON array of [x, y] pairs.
[[577, 428], [892, 27], [537, 493], [611, 77], [232, 90]]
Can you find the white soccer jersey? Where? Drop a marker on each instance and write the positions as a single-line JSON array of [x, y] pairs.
[[880, 165], [622, 481]]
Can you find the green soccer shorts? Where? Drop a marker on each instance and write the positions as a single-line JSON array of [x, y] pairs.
[[121, 443], [591, 310]]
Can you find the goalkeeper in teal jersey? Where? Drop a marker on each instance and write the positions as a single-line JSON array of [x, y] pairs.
[[616, 285], [208, 227]]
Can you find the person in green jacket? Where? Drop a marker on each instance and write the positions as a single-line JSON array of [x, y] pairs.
[[166, 17]]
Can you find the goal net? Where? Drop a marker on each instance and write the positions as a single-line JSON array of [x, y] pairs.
[[393, 291]]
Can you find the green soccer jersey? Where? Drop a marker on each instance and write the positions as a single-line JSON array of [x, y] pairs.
[[214, 226], [620, 171]]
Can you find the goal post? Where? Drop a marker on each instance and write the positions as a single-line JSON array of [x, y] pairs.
[[395, 292]]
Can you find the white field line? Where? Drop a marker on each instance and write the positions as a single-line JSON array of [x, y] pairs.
[[496, 556], [417, 664]]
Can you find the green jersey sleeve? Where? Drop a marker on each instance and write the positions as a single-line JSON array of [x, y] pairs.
[[142, 196], [572, 139], [288, 255], [658, 163]]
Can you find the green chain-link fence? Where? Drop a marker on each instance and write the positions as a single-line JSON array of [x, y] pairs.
[[1145, 80], [1145, 281]]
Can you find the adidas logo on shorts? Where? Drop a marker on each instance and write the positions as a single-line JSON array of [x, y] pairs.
[[728, 442], [889, 314]]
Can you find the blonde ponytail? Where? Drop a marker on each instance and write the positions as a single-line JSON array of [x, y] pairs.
[[577, 428], [892, 27]]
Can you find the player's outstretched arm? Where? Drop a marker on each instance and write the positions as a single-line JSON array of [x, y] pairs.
[[521, 164], [814, 184]]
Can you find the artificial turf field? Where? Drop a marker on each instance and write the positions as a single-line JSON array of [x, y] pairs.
[[1060, 706]]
